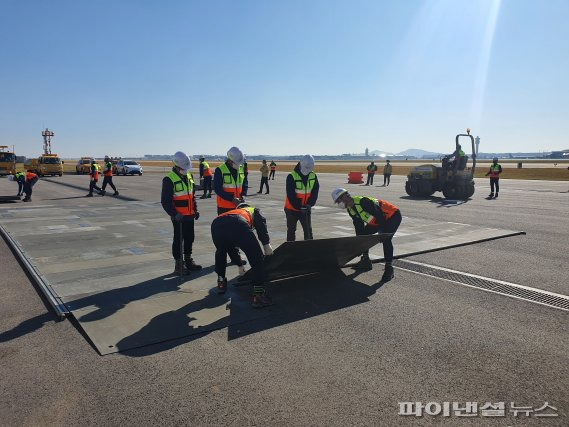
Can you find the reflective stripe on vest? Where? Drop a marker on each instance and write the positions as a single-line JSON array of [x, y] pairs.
[[94, 175], [183, 197], [387, 208], [230, 186], [206, 169], [108, 169], [245, 213], [303, 192], [495, 171]]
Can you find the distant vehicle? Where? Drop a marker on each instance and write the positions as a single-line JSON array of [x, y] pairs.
[[7, 161], [46, 164], [128, 167], [83, 165], [455, 180]]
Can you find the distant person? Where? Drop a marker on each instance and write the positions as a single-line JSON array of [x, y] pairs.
[[387, 169], [371, 170], [494, 172], [371, 216], [246, 177], [232, 230], [301, 195], [207, 176], [264, 177], [94, 179], [179, 202], [108, 176], [273, 166]]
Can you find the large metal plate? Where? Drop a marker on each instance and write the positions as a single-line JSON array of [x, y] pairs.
[[315, 256]]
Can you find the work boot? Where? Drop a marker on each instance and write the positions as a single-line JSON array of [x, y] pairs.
[[496, 196], [388, 274], [203, 196], [179, 266], [103, 192], [116, 193], [89, 195], [260, 298], [209, 196], [363, 264], [190, 263], [221, 285], [26, 199], [490, 196]]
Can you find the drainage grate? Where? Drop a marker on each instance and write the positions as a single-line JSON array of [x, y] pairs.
[[538, 296]]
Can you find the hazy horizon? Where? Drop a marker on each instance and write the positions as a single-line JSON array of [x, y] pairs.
[[132, 78]]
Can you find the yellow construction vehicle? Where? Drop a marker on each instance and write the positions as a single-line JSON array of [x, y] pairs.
[[47, 164], [7, 161]]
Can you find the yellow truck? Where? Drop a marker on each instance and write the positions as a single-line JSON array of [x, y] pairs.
[[7, 161], [46, 164]]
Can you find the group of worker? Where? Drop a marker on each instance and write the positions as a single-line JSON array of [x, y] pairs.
[[94, 172], [26, 181], [372, 169], [233, 228]]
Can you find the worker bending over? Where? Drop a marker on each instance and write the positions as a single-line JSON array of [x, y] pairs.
[[20, 178], [94, 179], [228, 181], [179, 202], [301, 194], [234, 229], [108, 176], [494, 172], [371, 216], [207, 176]]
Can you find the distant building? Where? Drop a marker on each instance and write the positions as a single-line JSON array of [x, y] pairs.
[[564, 154]]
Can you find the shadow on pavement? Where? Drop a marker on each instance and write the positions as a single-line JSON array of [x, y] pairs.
[[28, 326], [440, 201]]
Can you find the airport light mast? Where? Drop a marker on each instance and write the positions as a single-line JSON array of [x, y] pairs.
[[477, 142], [47, 134]]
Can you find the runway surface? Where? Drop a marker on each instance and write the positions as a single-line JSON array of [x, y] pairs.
[[336, 351]]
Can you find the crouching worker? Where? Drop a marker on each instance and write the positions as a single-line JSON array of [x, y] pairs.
[[179, 202], [371, 216], [30, 180], [232, 230], [20, 179]]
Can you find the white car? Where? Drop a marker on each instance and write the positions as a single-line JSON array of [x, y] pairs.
[[128, 167]]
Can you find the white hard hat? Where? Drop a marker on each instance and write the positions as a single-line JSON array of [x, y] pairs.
[[306, 164], [11, 177], [182, 161], [337, 193], [236, 156]]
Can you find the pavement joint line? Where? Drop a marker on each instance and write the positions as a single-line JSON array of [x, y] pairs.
[[80, 187], [496, 281]]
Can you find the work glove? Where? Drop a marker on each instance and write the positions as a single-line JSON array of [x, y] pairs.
[[179, 217], [236, 201], [268, 249], [197, 216]]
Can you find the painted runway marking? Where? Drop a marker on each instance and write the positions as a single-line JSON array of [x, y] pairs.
[[342, 233], [341, 227]]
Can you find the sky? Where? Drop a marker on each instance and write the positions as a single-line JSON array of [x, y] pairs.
[[126, 77]]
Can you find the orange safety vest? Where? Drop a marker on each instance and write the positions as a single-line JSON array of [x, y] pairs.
[[273, 168], [108, 169], [95, 175], [303, 192], [230, 186], [494, 171], [206, 170], [183, 197], [387, 208], [30, 176], [245, 213]]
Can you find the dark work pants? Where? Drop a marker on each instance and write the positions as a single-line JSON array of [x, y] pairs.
[[245, 185], [93, 186], [386, 178], [370, 179], [494, 182], [292, 219], [229, 233], [264, 181], [272, 175], [187, 237], [108, 180], [20, 187], [391, 226], [207, 185], [28, 188]]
